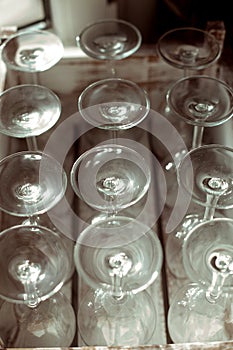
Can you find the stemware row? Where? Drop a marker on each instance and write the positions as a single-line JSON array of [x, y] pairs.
[[200, 249], [35, 260], [116, 255]]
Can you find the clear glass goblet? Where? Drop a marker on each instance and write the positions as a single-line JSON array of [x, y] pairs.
[[188, 48], [110, 177], [51, 323], [27, 111], [212, 167], [202, 311], [114, 104], [212, 188], [34, 264], [32, 51], [110, 39], [201, 101], [119, 258], [32, 183]]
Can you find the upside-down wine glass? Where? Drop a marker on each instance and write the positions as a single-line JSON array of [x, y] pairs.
[[187, 48], [202, 311], [32, 51], [209, 182], [118, 258], [27, 111], [114, 104], [202, 102], [32, 184], [34, 267], [109, 40], [117, 177]]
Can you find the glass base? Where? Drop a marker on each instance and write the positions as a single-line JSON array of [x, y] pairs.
[[126, 321], [51, 324]]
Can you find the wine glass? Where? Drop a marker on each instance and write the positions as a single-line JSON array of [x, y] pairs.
[[34, 267], [109, 39], [202, 311], [212, 188], [188, 48], [32, 51], [31, 184], [27, 111], [114, 104], [119, 258], [34, 264], [110, 177], [213, 177], [200, 101], [51, 323]]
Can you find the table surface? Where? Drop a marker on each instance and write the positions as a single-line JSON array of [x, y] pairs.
[[68, 79]]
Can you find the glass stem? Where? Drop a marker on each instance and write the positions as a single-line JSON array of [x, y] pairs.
[[31, 220], [35, 78], [215, 289], [30, 290], [114, 136], [111, 68], [187, 72], [120, 264], [197, 136], [117, 286], [32, 143], [221, 263], [28, 273], [211, 202]]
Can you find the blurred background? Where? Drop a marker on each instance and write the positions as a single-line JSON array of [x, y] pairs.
[[152, 17]]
